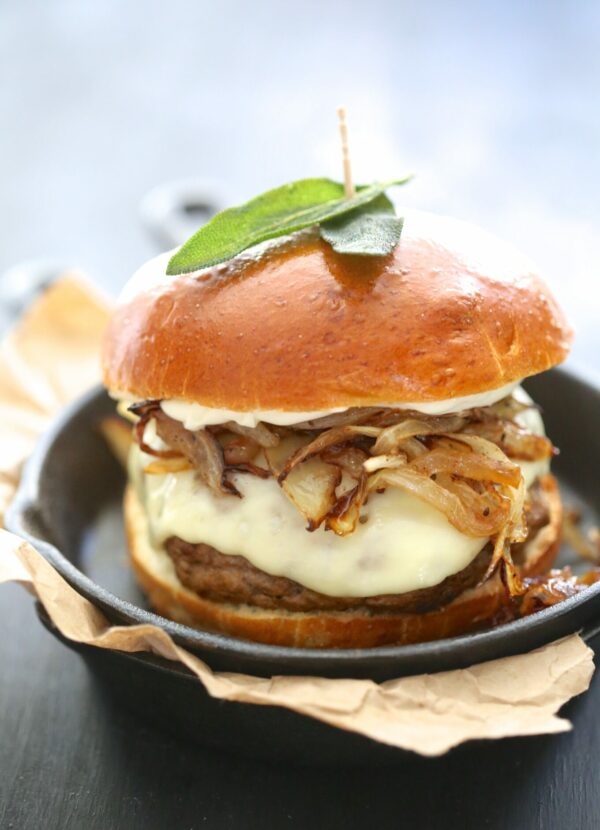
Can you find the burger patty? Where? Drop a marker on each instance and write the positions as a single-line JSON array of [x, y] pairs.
[[223, 578]]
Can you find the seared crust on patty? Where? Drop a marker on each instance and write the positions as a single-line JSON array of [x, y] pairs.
[[225, 578]]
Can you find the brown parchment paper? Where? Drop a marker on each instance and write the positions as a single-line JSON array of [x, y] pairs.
[[52, 356]]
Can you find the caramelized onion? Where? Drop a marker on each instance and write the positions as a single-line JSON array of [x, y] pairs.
[[382, 462], [412, 448], [349, 459], [508, 408], [479, 522], [514, 531], [515, 441], [548, 589], [123, 409], [253, 469], [201, 449], [481, 498], [260, 434], [139, 430], [277, 456], [390, 439], [448, 457], [168, 465], [457, 463], [345, 513], [238, 449], [337, 435], [147, 407], [144, 411], [311, 487], [587, 547], [355, 415]]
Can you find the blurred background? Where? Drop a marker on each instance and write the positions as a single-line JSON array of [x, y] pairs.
[[495, 107]]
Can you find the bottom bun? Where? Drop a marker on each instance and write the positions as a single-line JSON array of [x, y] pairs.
[[472, 610]]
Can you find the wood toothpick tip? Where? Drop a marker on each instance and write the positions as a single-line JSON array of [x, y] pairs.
[[348, 184]]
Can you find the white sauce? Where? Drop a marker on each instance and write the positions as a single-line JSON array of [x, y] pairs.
[[196, 416], [152, 274], [404, 545]]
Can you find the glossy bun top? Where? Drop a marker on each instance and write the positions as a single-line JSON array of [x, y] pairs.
[[292, 325]]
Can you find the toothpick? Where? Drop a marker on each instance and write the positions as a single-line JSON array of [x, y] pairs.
[[348, 185]]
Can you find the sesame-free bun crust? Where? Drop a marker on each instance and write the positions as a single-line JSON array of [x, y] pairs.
[[294, 326], [470, 611]]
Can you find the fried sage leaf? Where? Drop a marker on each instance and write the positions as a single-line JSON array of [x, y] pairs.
[[275, 213], [373, 230]]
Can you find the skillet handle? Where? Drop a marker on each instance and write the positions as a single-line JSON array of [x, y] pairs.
[[172, 212]]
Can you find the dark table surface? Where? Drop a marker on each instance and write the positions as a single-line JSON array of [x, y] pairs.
[[495, 107]]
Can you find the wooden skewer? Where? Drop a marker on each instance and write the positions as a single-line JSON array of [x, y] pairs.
[[348, 184]]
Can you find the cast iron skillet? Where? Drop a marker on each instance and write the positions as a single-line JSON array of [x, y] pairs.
[[68, 506]]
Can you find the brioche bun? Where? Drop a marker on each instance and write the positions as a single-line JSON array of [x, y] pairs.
[[470, 611], [294, 326]]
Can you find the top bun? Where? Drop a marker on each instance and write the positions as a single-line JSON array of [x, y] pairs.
[[292, 325]]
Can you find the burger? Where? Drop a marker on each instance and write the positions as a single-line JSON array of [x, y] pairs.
[[335, 450]]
